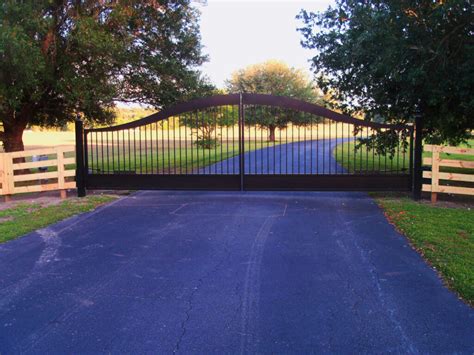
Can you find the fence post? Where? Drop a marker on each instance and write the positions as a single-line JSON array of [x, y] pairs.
[[61, 171], [418, 161], [8, 184], [434, 173], [80, 173]]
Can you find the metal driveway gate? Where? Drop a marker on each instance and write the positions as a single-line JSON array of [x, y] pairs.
[[244, 142]]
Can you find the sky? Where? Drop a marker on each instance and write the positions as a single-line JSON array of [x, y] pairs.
[[239, 33]]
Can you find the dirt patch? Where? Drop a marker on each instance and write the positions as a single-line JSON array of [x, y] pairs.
[[50, 198], [6, 219]]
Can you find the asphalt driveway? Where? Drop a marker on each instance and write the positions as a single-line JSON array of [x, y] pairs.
[[209, 272], [302, 157]]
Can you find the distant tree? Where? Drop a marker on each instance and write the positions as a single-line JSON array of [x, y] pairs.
[[276, 78], [394, 60], [62, 58], [207, 122]]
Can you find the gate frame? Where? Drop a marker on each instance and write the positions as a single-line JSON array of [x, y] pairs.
[[85, 180]]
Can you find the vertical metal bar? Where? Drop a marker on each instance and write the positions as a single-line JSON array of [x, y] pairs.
[[342, 148], [274, 142], [373, 156], [254, 110], [91, 167], [268, 148], [80, 168], [261, 146], [329, 147], [180, 149], [140, 148], [157, 147], [135, 150], [354, 134], [324, 146], [108, 160], [349, 140], [380, 159], [304, 145], [186, 145], [366, 151], [221, 113], [292, 149], [311, 144], [203, 144], [215, 117], [174, 145], [227, 136], [129, 152], [102, 150], [286, 150], [124, 151], [404, 158], [317, 146], [299, 143], [233, 140], [196, 117], [279, 172], [168, 145], [115, 149], [360, 151], [151, 148], [163, 147], [241, 141], [113, 153]]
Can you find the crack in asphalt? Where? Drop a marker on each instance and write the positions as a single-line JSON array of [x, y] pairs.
[[200, 282], [46, 330], [406, 344]]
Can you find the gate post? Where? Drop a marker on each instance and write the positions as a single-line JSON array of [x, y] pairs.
[[418, 161], [80, 182]]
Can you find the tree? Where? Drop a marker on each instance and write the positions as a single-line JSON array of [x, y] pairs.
[[206, 122], [63, 58], [276, 78], [396, 60]]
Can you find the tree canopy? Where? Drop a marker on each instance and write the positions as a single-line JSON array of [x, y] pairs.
[[275, 78], [397, 59], [62, 58]]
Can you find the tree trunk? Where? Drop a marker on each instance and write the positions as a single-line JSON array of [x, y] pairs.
[[271, 137], [13, 138]]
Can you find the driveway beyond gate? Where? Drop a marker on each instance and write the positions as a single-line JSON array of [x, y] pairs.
[[209, 272]]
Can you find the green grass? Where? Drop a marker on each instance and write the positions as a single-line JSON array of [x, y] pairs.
[[27, 217], [443, 236], [364, 160], [176, 158]]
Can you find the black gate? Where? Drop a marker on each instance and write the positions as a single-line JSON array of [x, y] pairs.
[[244, 142]]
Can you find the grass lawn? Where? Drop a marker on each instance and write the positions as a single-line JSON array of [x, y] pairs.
[[177, 158], [27, 217], [365, 160], [356, 160], [443, 236]]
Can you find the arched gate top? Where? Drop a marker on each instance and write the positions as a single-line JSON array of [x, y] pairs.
[[248, 99]]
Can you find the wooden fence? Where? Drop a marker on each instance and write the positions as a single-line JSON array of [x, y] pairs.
[[439, 179], [45, 169]]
